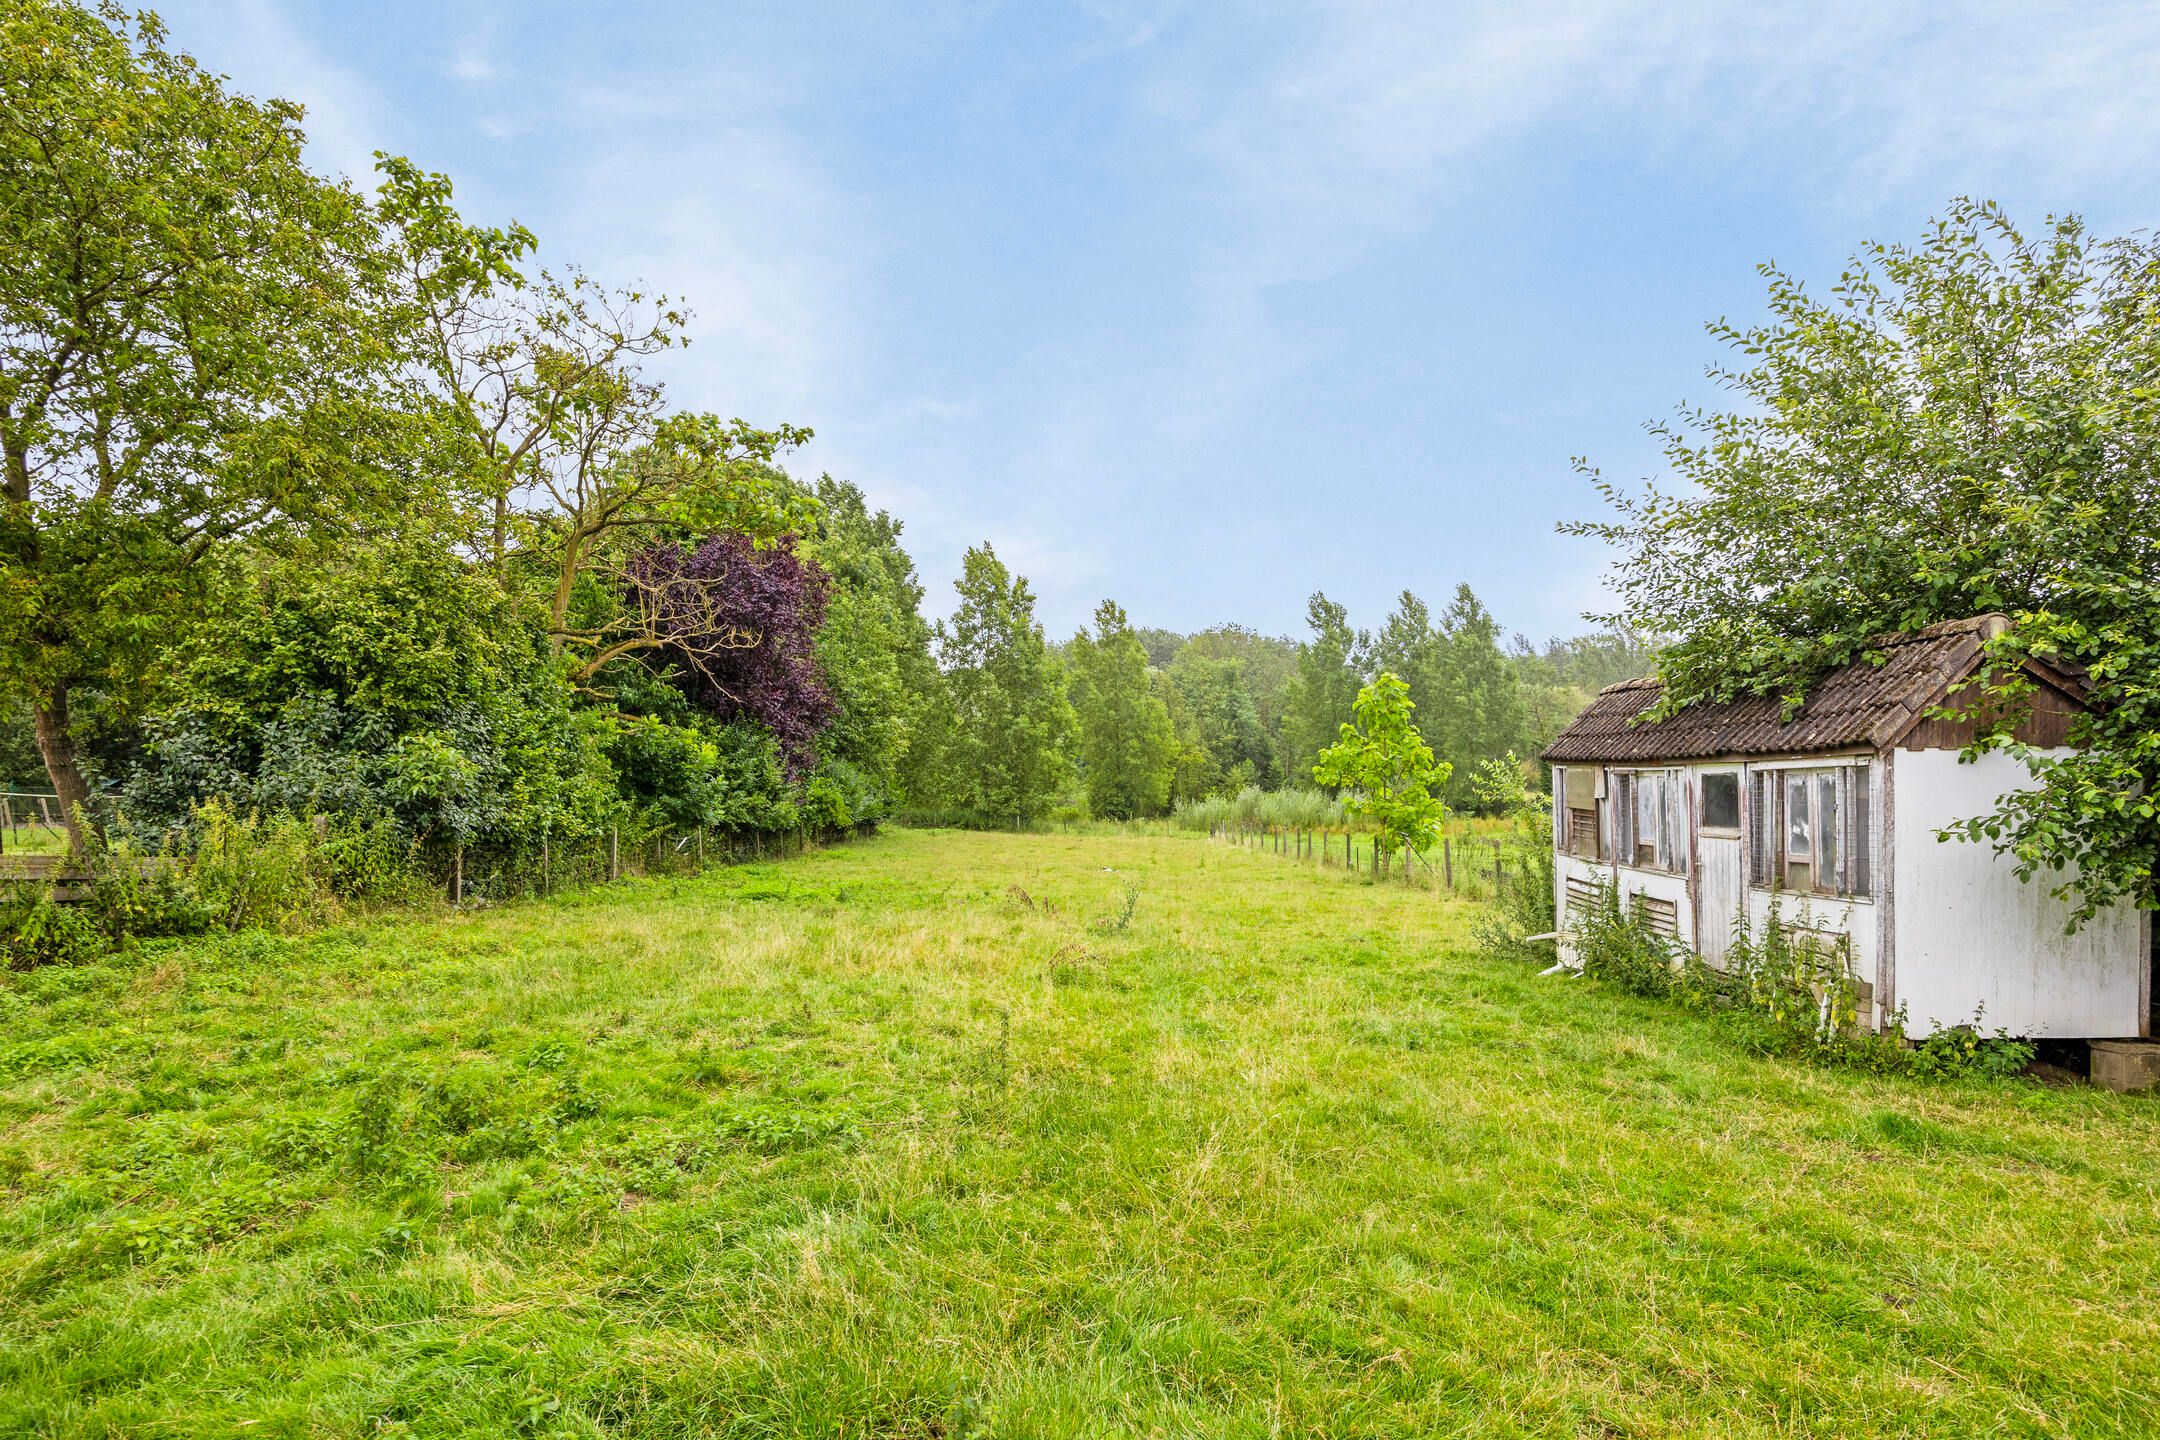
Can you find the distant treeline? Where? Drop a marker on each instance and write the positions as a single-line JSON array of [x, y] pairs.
[[1124, 721], [332, 509]]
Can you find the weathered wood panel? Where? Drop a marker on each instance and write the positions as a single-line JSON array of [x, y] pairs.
[[1720, 891], [2046, 725]]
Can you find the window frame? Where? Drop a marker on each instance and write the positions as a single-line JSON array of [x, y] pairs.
[[1565, 830], [1702, 804], [1840, 858], [1668, 841]]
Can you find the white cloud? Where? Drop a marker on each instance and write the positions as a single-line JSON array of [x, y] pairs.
[[473, 61], [1374, 111]]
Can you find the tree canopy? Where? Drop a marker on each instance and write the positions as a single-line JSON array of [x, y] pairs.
[[196, 338], [1385, 769], [1128, 749], [1961, 425]]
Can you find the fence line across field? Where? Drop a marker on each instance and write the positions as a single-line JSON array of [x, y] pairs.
[[1299, 843]]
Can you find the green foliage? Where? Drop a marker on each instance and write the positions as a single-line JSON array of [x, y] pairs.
[[1962, 1051], [874, 646], [1322, 693], [1008, 729], [1614, 944], [37, 930], [1217, 693], [1128, 747], [21, 766], [1524, 905], [202, 342], [2090, 826], [1785, 990], [258, 872], [1959, 426], [1386, 768], [1265, 669], [392, 681], [1480, 695]]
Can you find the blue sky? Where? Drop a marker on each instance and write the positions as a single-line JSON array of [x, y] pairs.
[[1205, 308]]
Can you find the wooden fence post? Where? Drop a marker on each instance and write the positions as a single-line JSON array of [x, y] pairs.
[[457, 875], [1447, 858], [614, 854]]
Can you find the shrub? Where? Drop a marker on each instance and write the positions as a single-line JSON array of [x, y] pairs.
[[35, 930], [1524, 906], [257, 872], [1616, 944], [1788, 990], [1963, 1051], [144, 896]]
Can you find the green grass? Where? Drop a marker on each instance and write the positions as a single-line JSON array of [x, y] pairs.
[[909, 1138]]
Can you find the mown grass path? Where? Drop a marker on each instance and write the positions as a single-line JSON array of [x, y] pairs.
[[908, 1138]]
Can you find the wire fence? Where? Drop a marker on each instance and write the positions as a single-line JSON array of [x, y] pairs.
[[474, 874], [31, 823], [35, 847], [1472, 866]]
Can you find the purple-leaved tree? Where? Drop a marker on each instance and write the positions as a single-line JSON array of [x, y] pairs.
[[740, 625]]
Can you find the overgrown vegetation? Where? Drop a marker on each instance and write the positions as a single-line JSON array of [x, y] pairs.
[[864, 1143], [1784, 990]]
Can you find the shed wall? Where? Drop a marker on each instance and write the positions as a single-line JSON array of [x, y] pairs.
[[1969, 933]]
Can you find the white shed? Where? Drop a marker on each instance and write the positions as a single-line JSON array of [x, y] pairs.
[[1833, 815]]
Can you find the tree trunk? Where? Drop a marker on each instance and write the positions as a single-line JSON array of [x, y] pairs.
[[58, 748], [565, 583]]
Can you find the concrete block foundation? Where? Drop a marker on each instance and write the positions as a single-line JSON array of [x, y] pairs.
[[2125, 1066]]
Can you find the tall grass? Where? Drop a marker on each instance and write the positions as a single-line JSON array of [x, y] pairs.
[[950, 1134]]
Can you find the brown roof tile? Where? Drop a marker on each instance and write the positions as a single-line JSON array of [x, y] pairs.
[[1860, 704]]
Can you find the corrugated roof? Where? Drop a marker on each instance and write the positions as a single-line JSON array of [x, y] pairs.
[[1861, 704]]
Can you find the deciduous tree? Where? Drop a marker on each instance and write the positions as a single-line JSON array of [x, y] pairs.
[[1324, 689], [195, 333], [1011, 727], [1127, 746], [1385, 769], [1963, 425]]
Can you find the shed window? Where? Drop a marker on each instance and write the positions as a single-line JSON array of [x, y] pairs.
[[1721, 800], [1818, 838], [1575, 815], [1651, 820]]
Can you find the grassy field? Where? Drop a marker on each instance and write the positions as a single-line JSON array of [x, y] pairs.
[[933, 1136]]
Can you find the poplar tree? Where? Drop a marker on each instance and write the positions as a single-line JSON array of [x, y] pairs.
[[1009, 726], [1415, 650], [1128, 749], [1483, 716], [1324, 688]]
